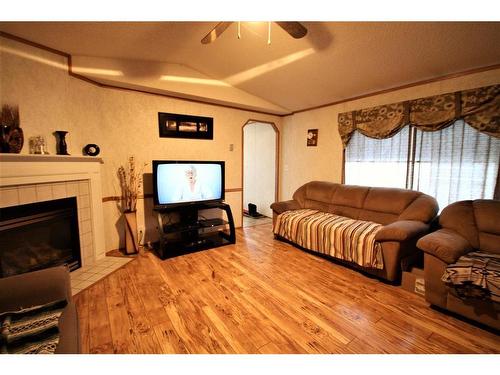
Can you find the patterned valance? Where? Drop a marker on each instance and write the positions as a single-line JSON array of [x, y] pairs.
[[480, 108]]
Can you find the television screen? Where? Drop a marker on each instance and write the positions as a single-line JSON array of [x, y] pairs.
[[178, 182]]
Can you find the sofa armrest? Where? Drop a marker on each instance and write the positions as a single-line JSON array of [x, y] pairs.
[[35, 288], [280, 207], [402, 230], [445, 244]]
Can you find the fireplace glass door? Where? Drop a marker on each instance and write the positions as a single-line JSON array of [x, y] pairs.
[[39, 235]]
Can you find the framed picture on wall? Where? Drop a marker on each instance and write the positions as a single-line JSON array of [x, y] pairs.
[[312, 137], [174, 125]]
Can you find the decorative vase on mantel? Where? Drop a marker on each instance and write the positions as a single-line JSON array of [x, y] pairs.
[[131, 243], [62, 147]]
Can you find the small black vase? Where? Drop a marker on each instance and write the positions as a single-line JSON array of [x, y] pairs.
[[62, 147], [4, 138]]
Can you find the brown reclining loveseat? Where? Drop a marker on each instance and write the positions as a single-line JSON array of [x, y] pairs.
[[466, 226]]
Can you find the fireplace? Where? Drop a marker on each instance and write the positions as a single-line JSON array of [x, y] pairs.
[[39, 235]]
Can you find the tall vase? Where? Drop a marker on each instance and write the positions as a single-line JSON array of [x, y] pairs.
[[131, 243], [62, 147]]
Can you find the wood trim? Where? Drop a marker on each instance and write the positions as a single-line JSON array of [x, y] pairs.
[[105, 85], [402, 87], [234, 190], [33, 44], [114, 198], [111, 199], [277, 158]]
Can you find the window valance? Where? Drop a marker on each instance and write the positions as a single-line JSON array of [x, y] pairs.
[[480, 108]]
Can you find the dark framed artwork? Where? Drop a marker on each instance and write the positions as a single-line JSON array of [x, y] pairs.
[[173, 125], [312, 137]]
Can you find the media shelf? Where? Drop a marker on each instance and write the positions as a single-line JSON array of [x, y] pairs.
[[182, 231]]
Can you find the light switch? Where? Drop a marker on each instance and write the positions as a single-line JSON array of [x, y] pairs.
[[231, 147]]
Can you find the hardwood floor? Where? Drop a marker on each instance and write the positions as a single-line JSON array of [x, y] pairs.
[[262, 296]]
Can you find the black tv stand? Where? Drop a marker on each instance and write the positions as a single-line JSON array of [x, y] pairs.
[[182, 230]]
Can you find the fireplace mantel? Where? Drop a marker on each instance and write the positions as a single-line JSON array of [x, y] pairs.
[[19, 172], [48, 158]]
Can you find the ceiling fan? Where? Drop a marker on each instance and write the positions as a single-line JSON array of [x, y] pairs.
[[295, 29]]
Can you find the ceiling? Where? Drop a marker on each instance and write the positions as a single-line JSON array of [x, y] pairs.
[[335, 61]]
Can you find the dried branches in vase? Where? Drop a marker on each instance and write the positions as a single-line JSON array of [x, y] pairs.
[[130, 182]]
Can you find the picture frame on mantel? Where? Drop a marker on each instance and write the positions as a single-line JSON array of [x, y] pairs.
[[173, 125]]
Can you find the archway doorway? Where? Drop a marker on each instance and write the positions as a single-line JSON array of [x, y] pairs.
[[260, 171]]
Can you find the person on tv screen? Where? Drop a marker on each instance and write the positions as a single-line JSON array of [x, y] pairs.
[[192, 189]]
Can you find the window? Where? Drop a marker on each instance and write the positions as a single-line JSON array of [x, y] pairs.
[[456, 163], [452, 164], [377, 162]]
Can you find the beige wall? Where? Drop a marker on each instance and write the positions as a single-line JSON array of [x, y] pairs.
[[301, 164], [122, 123]]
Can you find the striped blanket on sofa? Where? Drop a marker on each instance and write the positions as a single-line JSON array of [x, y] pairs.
[[338, 236]]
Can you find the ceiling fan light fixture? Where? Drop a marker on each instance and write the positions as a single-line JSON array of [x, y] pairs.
[[295, 29], [269, 33]]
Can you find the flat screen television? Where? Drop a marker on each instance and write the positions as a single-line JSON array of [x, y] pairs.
[[180, 182]]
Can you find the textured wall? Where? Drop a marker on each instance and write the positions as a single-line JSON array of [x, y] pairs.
[[122, 122], [301, 164]]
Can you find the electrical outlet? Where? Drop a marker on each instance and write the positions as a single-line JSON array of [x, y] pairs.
[[420, 286], [140, 233]]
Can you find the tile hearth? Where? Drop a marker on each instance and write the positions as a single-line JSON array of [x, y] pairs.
[[84, 277]]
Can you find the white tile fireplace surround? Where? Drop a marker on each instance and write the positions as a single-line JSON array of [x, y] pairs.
[[36, 178]]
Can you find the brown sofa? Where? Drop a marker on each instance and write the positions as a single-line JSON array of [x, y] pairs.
[[465, 226], [405, 214], [41, 287]]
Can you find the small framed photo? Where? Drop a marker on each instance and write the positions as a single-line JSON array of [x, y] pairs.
[[173, 125], [312, 137]]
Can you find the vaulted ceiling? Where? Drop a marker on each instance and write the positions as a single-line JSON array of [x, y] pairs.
[[335, 61]]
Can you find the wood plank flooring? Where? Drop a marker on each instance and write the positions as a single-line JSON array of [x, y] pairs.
[[262, 296]]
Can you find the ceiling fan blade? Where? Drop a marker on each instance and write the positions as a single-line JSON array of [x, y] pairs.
[[216, 32], [295, 29]]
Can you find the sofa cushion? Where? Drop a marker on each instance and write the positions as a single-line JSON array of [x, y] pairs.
[[377, 199], [346, 211], [487, 216], [69, 331], [459, 217], [423, 208], [350, 196], [402, 230], [445, 244], [280, 207], [377, 216], [320, 191]]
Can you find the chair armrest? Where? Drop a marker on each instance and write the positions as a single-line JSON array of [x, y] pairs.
[[35, 288], [445, 244], [402, 230], [280, 207]]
